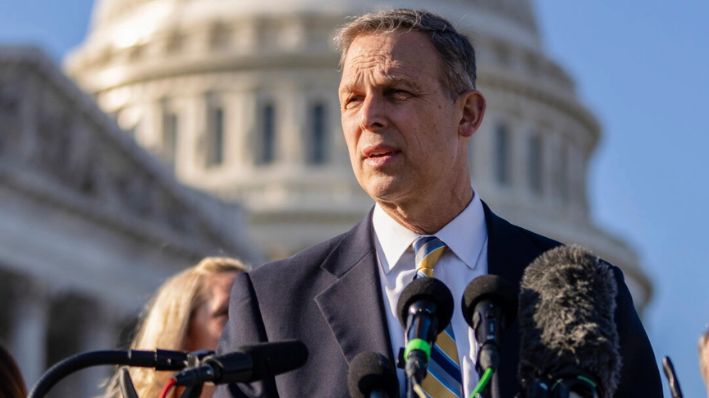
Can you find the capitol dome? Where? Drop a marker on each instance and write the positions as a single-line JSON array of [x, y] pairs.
[[240, 99]]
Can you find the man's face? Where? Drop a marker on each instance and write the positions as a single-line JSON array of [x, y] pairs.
[[402, 127]]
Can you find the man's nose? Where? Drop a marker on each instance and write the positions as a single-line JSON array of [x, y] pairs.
[[373, 114]]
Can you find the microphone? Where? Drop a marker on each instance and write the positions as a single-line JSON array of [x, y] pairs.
[[249, 363], [425, 308], [568, 337], [372, 375], [672, 382], [489, 306]]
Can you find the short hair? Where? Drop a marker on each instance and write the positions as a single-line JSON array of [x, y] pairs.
[[166, 317], [455, 50]]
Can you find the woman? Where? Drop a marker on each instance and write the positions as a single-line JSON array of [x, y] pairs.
[[187, 313]]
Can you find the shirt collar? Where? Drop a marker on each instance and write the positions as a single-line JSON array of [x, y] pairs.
[[464, 235]]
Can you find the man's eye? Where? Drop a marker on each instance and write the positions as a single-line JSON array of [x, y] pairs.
[[400, 95], [352, 101]]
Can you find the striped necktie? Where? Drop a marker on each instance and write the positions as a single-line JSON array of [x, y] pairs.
[[444, 379]]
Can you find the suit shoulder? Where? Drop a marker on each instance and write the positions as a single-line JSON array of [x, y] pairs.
[[540, 241], [508, 232]]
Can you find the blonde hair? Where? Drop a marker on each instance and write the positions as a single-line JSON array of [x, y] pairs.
[[703, 365], [12, 384], [164, 323]]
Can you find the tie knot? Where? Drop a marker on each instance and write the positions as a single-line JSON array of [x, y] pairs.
[[427, 249]]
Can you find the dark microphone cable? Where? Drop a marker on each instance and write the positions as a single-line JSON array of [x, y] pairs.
[[568, 336]]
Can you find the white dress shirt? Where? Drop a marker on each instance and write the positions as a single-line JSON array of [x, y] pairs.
[[464, 260]]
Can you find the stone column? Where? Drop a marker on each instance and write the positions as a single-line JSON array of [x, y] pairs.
[[291, 122], [191, 148], [101, 335], [29, 329]]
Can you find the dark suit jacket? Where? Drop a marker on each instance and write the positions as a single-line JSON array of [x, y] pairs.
[[329, 297]]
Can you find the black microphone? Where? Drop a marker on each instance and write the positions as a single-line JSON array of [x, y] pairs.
[[672, 382], [425, 308], [489, 306], [248, 363], [372, 375], [568, 337]]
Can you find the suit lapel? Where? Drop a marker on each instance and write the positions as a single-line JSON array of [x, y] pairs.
[[510, 248], [353, 305], [503, 259]]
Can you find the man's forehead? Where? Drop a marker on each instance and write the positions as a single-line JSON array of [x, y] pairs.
[[394, 57], [388, 45]]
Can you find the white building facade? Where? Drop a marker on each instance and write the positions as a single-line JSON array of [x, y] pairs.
[[90, 223], [240, 98]]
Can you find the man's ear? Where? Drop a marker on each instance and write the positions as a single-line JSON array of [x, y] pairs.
[[472, 103]]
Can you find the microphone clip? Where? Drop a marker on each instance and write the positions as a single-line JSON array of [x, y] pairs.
[[400, 359], [195, 358]]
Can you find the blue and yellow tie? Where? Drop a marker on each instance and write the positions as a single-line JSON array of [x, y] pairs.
[[444, 379]]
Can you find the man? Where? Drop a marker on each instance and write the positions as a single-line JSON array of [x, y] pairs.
[[409, 108]]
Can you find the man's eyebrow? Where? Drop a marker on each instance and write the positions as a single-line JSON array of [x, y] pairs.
[[389, 81], [402, 81], [346, 88]]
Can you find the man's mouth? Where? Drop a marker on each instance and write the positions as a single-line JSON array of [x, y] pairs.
[[378, 151], [380, 154]]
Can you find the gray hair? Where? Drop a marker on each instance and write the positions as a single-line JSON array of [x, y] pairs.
[[456, 52]]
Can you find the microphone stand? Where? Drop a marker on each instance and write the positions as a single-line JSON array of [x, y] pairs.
[[411, 384], [495, 386], [158, 359], [669, 369]]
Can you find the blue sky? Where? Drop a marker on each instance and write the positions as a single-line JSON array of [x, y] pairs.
[[643, 68]]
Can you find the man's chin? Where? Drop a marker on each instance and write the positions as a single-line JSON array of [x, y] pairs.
[[386, 191]]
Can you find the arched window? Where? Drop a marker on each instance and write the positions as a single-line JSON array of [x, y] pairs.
[[215, 134], [170, 135], [317, 142], [535, 162], [266, 140], [564, 183], [502, 154]]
